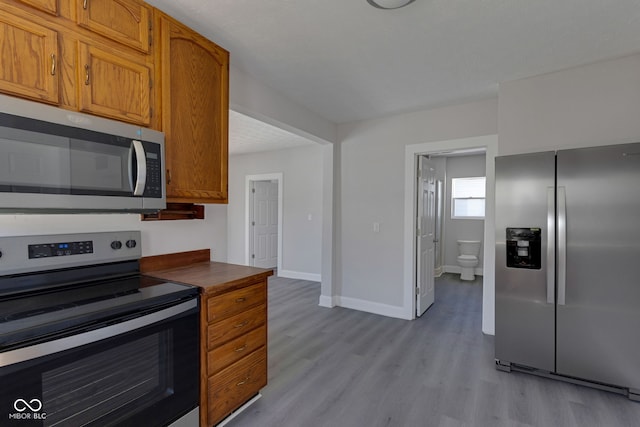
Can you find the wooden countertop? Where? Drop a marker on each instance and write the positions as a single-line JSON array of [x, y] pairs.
[[194, 268]]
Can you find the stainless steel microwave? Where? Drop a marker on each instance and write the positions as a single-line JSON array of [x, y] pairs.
[[56, 161]]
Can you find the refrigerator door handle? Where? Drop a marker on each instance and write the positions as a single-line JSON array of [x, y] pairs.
[[562, 246], [551, 245]]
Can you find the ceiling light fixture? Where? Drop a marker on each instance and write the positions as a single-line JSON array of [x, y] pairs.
[[389, 4]]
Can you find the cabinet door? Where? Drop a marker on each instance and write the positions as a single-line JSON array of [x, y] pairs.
[[29, 55], [195, 114], [112, 85], [49, 6], [125, 21]]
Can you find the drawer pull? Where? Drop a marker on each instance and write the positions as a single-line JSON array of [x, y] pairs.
[[240, 325], [239, 349], [243, 382], [241, 299]]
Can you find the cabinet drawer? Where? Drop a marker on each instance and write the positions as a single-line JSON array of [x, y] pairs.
[[226, 305], [236, 384], [233, 327], [224, 355]]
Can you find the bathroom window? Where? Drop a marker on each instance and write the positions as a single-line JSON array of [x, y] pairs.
[[467, 197]]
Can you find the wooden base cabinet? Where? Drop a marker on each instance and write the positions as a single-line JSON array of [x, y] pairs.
[[234, 350]]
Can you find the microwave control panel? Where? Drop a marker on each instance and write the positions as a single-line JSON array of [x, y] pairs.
[[153, 186], [524, 248]]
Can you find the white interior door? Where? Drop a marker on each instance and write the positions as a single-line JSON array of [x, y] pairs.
[[264, 224], [425, 286]]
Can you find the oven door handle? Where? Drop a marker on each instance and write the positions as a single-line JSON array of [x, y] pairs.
[[46, 348]]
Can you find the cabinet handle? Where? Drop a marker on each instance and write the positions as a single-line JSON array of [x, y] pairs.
[[168, 176], [239, 349], [242, 299], [240, 325], [53, 64], [86, 74], [84, 4]]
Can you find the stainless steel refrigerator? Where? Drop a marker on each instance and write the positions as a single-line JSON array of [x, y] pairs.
[[568, 265]]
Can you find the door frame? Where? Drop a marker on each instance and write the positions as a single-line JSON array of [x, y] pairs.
[[490, 144], [249, 179]]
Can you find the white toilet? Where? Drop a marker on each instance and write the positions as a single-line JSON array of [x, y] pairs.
[[468, 258]]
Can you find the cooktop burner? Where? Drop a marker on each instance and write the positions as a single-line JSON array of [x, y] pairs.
[[61, 290], [29, 317]]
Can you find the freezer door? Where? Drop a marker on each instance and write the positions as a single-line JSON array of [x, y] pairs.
[[525, 291], [598, 312]]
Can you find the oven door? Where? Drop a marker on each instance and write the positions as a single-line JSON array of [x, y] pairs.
[[142, 371]]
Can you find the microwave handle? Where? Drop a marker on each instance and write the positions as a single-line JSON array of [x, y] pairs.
[[141, 164]]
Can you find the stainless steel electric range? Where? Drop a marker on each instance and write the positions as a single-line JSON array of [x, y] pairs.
[[86, 340]]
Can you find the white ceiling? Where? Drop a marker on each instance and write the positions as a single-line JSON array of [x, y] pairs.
[[248, 135], [346, 60]]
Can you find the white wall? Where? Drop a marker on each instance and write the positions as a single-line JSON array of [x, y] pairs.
[[302, 170], [595, 104], [253, 98], [158, 237], [461, 229], [369, 265]]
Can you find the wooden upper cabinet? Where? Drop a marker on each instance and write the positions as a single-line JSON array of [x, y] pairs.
[[28, 58], [195, 114], [125, 21], [113, 85], [49, 6]]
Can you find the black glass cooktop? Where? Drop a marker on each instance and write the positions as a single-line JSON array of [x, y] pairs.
[[38, 315]]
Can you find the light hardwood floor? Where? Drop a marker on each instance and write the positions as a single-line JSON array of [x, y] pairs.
[[345, 368]]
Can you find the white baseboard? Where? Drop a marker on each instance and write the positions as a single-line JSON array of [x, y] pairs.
[[326, 301], [456, 269], [239, 410], [289, 274], [372, 307]]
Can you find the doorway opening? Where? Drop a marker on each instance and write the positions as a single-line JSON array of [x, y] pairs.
[[446, 218], [263, 241], [413, 193]]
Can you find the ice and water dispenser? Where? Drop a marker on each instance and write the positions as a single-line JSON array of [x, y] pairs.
[[523, 248]]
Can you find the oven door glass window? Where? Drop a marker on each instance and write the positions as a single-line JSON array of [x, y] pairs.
[[147, 377]]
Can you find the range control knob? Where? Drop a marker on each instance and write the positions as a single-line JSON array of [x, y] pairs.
[[116, 244], [131, 244]]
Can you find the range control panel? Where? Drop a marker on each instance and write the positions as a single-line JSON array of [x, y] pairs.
[[524, 248], [43, 250], [26, 254]]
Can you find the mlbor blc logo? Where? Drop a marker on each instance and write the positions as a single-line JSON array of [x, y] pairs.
[[34, 407]]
